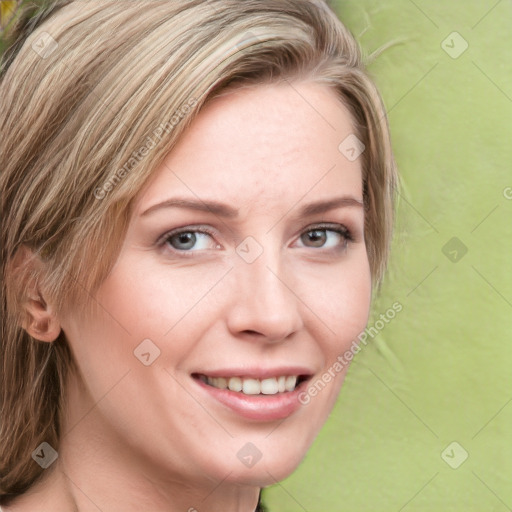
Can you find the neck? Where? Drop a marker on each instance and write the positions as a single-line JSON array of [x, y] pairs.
[[98, 483]]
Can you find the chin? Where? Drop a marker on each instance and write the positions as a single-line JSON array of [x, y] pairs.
[[264, 475], [265, 464]]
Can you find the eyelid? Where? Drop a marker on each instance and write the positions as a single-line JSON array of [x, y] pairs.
[[329, 226]]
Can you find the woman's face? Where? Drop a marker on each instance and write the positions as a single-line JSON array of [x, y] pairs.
[[244, 266]]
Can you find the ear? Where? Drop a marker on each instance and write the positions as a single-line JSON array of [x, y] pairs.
[[39, 317], [41, 321]]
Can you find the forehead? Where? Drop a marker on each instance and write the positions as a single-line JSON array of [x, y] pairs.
[[262, 147]]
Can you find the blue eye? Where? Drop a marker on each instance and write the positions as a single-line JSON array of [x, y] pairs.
[[190, 241], [326, 238]]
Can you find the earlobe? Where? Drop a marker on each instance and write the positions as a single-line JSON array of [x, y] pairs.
[[39, 318]]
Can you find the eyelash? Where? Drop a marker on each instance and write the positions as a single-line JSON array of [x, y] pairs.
[[340, 229]]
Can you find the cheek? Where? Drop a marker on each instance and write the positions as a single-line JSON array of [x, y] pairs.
[[340, 300], [153, 300], [341, 309], [349, 305]]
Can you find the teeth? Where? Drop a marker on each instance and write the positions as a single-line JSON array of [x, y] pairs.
[[221, 383], [270, 386], [251, 387], [235, 384], [290, 383]]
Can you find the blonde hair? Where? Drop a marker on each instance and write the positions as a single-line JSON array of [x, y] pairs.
[[93, 96]]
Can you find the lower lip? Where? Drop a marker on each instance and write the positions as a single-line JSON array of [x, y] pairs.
[[257, 407]]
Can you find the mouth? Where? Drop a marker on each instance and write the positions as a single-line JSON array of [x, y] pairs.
[[251, 386], [257, 396]]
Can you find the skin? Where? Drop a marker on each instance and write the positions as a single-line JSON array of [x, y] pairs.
[[142, 437]]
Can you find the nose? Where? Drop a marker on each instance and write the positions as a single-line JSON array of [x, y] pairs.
[[264, 306]]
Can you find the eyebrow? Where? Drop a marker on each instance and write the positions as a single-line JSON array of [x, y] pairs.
[[330, 204], [220, 209], [223, 210]]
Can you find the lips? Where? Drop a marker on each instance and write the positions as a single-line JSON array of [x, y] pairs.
[[257, 395]]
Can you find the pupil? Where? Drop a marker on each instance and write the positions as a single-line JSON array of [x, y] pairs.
[[185, 240], [317, 238]]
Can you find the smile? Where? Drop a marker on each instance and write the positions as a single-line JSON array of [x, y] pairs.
[[251, 386], [255, 394]]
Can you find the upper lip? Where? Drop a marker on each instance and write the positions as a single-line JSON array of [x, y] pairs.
[[257, 373]]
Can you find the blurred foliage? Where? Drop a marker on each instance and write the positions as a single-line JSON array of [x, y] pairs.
[[10, 11]]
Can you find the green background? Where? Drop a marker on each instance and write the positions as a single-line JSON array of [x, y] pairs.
[[441, 371]]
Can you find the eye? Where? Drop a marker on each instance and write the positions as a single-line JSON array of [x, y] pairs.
[[326, 237], [190, 240]]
